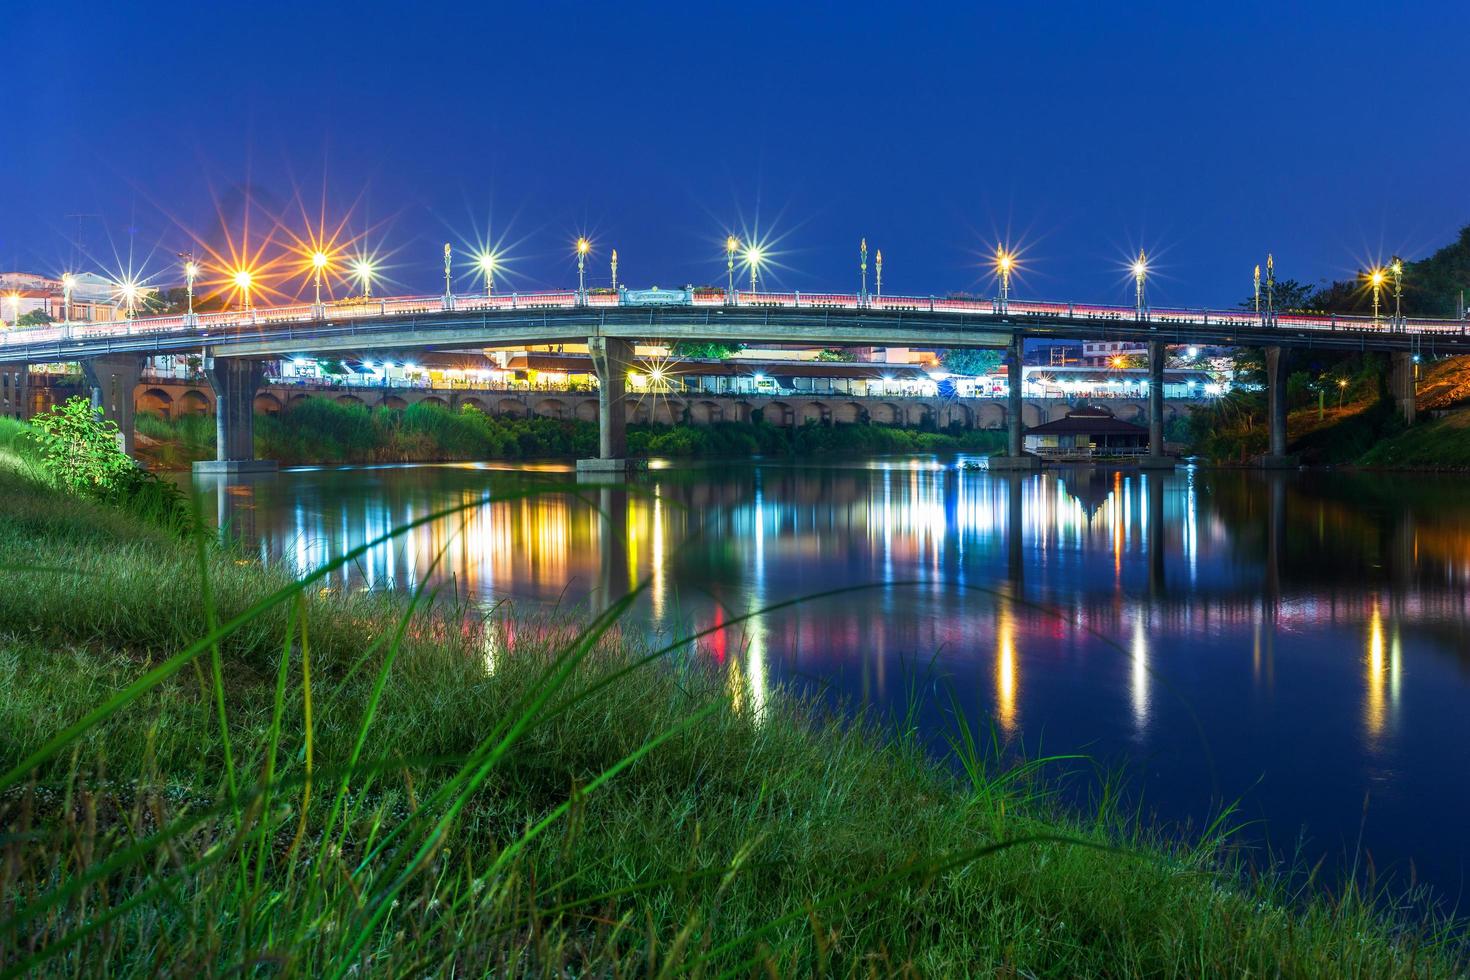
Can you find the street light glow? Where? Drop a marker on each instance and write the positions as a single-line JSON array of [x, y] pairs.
[[243, 279], [191, 270], [487, 262], [1376, 277], [319, 259], [1003, 260], [732, 243], [583, 246]]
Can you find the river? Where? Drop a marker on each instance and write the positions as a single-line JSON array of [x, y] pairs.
[[1298, 642]]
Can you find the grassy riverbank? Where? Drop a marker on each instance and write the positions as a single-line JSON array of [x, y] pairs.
[[347, 782], [320, 430]]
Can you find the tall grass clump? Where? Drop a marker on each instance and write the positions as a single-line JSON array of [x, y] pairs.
[[211, 767]]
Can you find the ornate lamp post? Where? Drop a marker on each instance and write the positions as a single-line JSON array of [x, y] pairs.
[[583, 247], [362, 271], [1376, 279], [244, 281], [879, 264], [1270, 287], [68, 283], [448, 274], [1397, 268], [318, 263], [1004, 263], [753, 258], [1258, 289], [1140, 281], [487, 269], [731, 245], [615, 270], [191, 273], [863, 267]]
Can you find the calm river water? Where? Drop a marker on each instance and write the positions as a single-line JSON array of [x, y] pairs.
[[1300, 642]]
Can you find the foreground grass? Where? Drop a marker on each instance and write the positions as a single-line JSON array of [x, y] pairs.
[[405, 806]]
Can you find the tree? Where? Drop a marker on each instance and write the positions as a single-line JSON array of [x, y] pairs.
[[707, 351], [35, 318], [968, 361], [835, 354], [82, 451], [1291, 296]]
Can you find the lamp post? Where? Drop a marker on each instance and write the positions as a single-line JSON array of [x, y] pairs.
[[583, 247], [128, 291], [879, 264], [1270, 287], [68, 283], [1140, 281], [362, 270], [753, 258], [731, 244], [191, 273], [318, 263], [1376, 278], [244, 280], [1397, 268], [615, 270], [14, 298], [487, 269], [1258, 289], [863, 267], [448, 274], [1004, 263]]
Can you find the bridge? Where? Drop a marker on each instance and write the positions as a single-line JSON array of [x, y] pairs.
[[236, 343]]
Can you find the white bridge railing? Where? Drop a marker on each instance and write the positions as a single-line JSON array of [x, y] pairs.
[[243, 321]]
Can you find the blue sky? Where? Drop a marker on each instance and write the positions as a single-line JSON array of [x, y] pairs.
[[1329, 133]]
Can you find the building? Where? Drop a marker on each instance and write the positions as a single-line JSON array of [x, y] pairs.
[[1086, 433], [93, 297], [1112, 353]]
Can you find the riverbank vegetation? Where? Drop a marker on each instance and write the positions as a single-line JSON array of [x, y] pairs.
[[320, 430], [209, 766]]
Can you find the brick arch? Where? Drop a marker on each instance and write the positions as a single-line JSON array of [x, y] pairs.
[[587, 410], [194, 402], [847, 413], [295, 400], [512, 407], [348, 400], [813, 411], [434, 400], [550, 408], [1032, 413], [157, 401], [705, 412], [955, 413], [885, 413], [267, 404], [779, 413], [393, 401], [470, 401], [991, 415], [1131, 412]]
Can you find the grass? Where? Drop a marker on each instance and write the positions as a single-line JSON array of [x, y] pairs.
[[269, 775], [1441, 444]]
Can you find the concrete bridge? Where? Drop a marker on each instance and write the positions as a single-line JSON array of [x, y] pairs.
[[237, 344]]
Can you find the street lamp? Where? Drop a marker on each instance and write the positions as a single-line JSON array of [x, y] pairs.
[[880, 273], [244, 280], [1376, 279], [753, 259], [318, 263], [487, 269], [1004, 263], [583, 247], [1341, 388], [1397, 268], [14, 298], [127, 290], [1140, 280], [191, 273], [1258, 289], [615, 270], [448, 282], [1270, 287], [362, 271], [863, 266], [731, 245], [68, 283]]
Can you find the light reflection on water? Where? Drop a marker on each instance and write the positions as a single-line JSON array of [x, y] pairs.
[[1292, 640]]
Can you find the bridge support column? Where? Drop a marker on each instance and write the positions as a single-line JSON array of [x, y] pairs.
[[1401, 384], [1156, 458], [113, 379], [1015, 457], [235, 382], [610, 359], [1276, 371]]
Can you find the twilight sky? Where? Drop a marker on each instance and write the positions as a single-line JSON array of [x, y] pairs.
[[1331, 133]]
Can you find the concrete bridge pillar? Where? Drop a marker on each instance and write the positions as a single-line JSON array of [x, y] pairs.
[[1401, 385], [1016, 457], [1276, 373], [235, 382], [112, 378], [610, 359], [1156, 458]]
